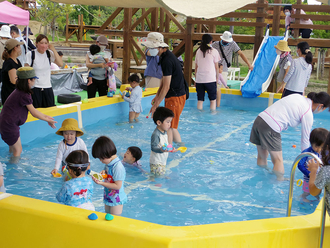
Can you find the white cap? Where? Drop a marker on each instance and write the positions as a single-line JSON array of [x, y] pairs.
[[154, 39], [227, 36]]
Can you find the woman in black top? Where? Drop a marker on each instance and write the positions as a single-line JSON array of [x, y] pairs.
[[9, 67]]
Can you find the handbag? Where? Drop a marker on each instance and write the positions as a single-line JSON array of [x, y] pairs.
[[223, 55]]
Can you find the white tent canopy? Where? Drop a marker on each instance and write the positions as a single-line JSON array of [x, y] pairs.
[[192, 8]]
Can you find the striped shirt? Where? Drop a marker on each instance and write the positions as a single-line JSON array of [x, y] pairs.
[[228, 50]]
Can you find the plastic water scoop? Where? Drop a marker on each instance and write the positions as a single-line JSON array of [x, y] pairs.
[[182, 149]]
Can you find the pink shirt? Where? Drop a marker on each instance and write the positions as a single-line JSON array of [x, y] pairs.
[[289, 19], [206, 72]]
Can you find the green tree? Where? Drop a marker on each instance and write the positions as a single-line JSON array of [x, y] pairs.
[[51, 13]]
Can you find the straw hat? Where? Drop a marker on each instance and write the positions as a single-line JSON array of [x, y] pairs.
[[70, 124], [282, 45], [5, 31], [227, 36], [26, 72], [154, 40]]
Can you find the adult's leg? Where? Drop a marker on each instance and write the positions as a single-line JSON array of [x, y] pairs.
[[213, 105], [200, 88], [102, 87], [211, 89], [16, 149], [262, 157], [277, 159], [48, 99], [91, 89], [305, 33], [37, 97]]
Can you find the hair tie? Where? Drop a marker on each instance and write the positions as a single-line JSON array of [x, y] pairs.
[[307, 50]]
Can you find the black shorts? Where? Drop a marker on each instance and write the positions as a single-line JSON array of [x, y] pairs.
[[210, 88], [43, 97], [289, 92]]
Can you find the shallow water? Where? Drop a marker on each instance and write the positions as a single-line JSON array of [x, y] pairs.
[[216, 180]]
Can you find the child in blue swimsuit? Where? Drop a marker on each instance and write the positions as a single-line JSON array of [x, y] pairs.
[[114, 194]]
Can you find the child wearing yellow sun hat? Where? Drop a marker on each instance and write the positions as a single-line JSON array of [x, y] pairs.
[[71, 142]]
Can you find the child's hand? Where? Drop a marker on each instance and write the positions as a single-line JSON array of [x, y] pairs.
[[313, 165], [89, 83], [174, 150], [122, 96], [54, 172], [96, 181], [128, 89]]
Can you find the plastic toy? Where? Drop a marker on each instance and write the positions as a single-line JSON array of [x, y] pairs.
[[66, 173], [110, 92], [182, 149], [125, 93], [299, 182], [57, 174], [85, 100], [109, 217], [148, 115], [167, 147], [97, 175], [93, 216], [294, 146]]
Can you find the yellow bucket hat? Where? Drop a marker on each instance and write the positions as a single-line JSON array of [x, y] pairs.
[[70, 124], [282, 45]]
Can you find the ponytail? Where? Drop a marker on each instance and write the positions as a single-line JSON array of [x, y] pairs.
[[304, 48], [206, 39], [321, 97], [6, 54]]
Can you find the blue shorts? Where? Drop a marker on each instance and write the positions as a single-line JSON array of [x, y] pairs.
[[210, 88]]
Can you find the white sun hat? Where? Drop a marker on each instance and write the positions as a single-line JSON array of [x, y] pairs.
[[227, 36], [154, 39], [5, 31]]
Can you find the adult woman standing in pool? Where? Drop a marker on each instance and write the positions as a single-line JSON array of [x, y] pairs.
[[296, 80], [14, 113], [290, 111], [41, 59], [206, 69]]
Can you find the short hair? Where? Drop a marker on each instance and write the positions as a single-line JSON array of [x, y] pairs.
[[133, 78], [161, 114], [136, 152], [77, 157], [14, 29], [103, 147], [287, 7], [94, 49], [40, 37], [23, 85], [318, 136], [321, 97]]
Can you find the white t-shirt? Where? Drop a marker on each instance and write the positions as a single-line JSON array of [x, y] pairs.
[[42, 68], [64, 150], [206, 72], [291, 111]]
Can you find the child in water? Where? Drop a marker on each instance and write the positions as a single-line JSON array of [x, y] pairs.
[[132, 157], [321, 179], [114, 194], [317, 139], [71, 142], [79, 190], [158, 156], [135, 107]]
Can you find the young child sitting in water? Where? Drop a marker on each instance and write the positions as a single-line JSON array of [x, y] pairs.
[[317, 139], [71, 142], [132, 157], [135, 107], [79, 190], [158, 156]]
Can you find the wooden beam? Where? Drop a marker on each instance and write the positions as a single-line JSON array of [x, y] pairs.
[[121, 25], [142, 17], [254, 6], [134, 54], [188, 52], [177, 51], [66, 29], [161, 20], [110, 19], [245, 15], [228, 23], [126, 44], [178, 24], [322, 27], [154, 20], [276, 20], [324, 43], [312, 8], [138, 48], [167, 27], [313, 17]]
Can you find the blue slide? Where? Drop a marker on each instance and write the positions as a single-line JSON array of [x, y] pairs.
[[265, 63]]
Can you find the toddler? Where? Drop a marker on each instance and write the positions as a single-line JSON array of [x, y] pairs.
[[79, 190], [114, 195], [2, 184], [222, 81], [135, 107], [158, 156], [132, 157], [317, 139], [320, 178], [71, 142], [96, 56]]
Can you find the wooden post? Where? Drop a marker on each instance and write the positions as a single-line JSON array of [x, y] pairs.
[[67, 29], [188, 52], [161, 20], [126, 44], [297, 21], [259, 30], [167, 27], [154, 20], [276, 19], [81, 28], [212, 28]]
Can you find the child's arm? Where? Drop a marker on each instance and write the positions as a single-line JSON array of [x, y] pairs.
[[116, 185], [222, 80], [132, 98], [37, 114], [59, 158], [61, 196], [312, 167], [154, 144], [302, 167]]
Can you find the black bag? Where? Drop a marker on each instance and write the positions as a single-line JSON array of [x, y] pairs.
[[223, 55]]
